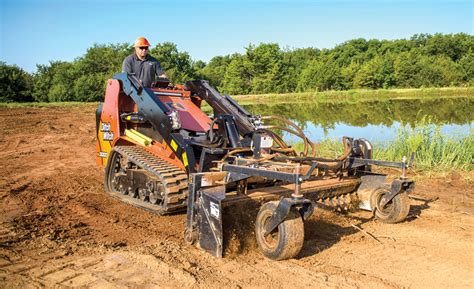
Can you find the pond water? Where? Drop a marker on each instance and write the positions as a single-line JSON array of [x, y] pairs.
[[377, 121]]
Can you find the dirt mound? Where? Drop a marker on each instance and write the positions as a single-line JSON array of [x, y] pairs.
[[59, 227]]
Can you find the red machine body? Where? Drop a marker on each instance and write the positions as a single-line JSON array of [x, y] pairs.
[[111, 128]]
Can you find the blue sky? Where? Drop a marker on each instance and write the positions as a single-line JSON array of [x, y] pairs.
[[35, 32]]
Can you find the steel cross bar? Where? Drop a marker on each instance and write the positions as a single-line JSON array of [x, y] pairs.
[[355, 162], [289, 177]]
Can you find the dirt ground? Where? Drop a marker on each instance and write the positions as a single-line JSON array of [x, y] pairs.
[[58, 228]]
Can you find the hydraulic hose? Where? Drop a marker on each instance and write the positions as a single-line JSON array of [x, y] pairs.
[[300, 134], [211, 130], [236, 151]]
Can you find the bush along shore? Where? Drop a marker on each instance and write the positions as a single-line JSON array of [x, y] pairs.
[[358, 95], [434, 152]]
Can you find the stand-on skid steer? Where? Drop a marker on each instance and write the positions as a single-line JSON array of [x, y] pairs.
[[162, 153]]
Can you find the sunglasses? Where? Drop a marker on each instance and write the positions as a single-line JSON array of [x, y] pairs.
[[143, 48]]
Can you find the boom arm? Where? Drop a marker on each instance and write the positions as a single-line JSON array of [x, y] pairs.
[[149, 106], [223, 105]]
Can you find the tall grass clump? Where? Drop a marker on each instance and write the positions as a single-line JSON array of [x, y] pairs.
[[433, 150]]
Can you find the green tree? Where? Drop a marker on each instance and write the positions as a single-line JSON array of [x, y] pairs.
[[54, 82], [376, 73], [467, 66], [42, 79], [178, 66], [452, 45], [265, 67], [94, 68], [90, 87], [407, 69], [105, 59], [321, 75], [15, 84], [349, 73], [237, 80], [62, 82], [294, 62], [215, 70], [440, 71]]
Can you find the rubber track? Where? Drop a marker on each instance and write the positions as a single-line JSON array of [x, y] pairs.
[[174, 180]]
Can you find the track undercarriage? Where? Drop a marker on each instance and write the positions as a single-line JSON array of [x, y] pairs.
[[137, 177]]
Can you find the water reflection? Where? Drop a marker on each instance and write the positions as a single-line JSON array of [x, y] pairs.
[[374, 120]]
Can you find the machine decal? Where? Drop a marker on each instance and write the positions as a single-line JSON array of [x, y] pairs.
[[103, 154], [105, 126], [108, 136], [267, 142], [214, 210]]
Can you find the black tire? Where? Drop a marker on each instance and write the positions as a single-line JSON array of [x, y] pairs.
[[110, 169], [395, 211], [286, 240]]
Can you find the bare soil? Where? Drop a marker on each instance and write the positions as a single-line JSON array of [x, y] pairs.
[[58, 227]]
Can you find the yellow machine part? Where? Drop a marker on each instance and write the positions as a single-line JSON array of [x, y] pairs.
[[138, 137]]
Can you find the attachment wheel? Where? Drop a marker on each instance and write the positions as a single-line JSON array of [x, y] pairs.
[[189, 236], [394, 211], [286, 240]]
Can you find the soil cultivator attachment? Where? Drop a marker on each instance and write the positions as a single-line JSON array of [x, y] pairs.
[[161, 152]]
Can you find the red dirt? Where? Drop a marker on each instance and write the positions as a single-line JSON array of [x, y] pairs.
[[59, 227]]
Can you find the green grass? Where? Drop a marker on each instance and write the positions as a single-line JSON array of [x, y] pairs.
[[347, 96], [357, 95], [434, 152]]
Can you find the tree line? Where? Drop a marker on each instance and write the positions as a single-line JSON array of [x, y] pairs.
[[422, 61]]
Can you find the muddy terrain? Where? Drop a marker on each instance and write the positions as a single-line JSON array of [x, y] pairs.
[[59, 228]]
